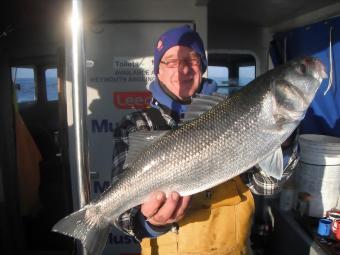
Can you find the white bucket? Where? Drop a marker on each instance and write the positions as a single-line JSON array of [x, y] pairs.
[[318, 172]]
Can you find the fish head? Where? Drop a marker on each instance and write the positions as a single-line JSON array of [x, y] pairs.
[[294, 87], [306, 74]]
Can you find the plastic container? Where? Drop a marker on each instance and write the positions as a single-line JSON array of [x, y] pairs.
[[324, 228], [337, 230], [318, 172]]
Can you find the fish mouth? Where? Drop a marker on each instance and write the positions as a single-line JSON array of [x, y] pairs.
[[319, 68]]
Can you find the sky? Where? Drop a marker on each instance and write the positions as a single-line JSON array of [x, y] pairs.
[[222, 72], [28, 73]]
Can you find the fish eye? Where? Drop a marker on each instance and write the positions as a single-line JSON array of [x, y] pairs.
[[302, 69]]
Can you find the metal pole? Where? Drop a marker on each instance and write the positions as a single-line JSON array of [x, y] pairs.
[[79, 102], [79, 105]]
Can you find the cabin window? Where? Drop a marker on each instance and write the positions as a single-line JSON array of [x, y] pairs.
[[51, 84], [220, 74], [246, 74], [24, 81], [231, 71]]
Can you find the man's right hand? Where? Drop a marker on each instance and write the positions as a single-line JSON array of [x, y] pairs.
[[160, 210]]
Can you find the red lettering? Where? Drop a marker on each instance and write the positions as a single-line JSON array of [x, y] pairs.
[[131, 100]]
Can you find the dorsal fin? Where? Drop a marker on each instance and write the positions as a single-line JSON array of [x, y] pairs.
[[200, 104], [139, 141]]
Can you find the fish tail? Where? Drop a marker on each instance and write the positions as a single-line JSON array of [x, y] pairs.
[[87, 226]]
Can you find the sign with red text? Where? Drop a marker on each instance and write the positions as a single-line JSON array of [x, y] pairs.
[[131, 100]]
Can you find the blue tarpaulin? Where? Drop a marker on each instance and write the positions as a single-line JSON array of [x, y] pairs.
[[323, 116]]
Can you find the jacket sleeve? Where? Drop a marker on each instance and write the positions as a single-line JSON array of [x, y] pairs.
[[261, 184]]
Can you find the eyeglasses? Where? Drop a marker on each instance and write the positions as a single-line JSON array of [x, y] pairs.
[[174, 63]]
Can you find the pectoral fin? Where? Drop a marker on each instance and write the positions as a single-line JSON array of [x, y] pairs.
[[273, 164]]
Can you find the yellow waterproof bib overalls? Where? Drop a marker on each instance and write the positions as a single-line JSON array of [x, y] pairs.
[[218, 222]]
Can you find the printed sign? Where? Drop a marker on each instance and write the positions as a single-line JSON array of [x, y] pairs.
[[127, 70], [131, 100]]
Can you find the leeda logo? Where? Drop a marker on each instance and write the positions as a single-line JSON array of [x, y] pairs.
[[160, 45], [132, 100]]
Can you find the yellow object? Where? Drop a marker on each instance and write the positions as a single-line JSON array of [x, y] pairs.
[[218, 222]]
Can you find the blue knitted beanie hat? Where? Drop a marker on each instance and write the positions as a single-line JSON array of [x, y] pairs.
[[181, 36]]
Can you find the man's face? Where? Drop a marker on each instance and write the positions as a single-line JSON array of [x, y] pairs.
[[180, 71]]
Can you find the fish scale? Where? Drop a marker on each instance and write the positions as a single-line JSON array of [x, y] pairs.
[[234, 135]]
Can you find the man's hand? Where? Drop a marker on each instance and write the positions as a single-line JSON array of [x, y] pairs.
[[161, 210]]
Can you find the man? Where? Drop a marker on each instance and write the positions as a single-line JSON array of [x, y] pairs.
[[215, 221]]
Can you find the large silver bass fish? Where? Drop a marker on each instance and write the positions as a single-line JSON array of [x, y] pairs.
[[222, 138]]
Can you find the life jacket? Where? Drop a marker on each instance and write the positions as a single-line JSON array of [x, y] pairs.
[[217, 222]]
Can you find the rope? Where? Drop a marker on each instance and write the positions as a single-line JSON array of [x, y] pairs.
[[330, 80]]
